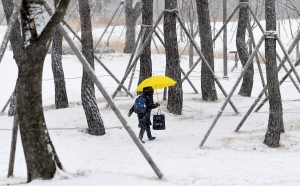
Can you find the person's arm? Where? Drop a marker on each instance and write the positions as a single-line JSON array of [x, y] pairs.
[[130, 111], [150, 104]]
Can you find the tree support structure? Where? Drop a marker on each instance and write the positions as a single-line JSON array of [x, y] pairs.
[[95, 80]]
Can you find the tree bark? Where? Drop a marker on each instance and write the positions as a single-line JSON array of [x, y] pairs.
[[131, 15], [241, 46], [92, 113], [15, 40], [175, 95], [61, 98], [208, 88], [275, 124], [145, 59], [40, 155]]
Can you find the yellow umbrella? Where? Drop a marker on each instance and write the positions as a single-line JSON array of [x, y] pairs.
[[156, 82]]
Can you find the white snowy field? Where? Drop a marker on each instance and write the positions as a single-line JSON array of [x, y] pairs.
[[227, 158]]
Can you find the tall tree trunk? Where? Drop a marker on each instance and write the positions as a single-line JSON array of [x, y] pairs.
[[61, 98], [131, 15], [145, 59], [208, 88], [40, 155], [175, 95], [241, 46], [275, 125], [15, 40], [92, 113]]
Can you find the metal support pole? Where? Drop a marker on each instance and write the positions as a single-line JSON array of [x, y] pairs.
[[112, 105], [13, 146], [205, 61], [232, 91], [121, 3], [137, 56], [98, 60], [290, 49], [225, 76], [6, 104], [281, 81], [112, 31], [10, 26]]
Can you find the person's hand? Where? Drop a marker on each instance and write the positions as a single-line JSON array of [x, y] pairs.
[[129, 114], [158, 104]]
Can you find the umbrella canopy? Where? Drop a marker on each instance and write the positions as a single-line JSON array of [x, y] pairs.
[[156, 82]]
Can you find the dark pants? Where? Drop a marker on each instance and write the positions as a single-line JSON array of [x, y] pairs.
[[145, 127]]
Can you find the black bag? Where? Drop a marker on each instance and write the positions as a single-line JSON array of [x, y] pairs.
[[159, 121]]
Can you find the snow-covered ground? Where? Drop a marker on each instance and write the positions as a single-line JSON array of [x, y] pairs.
[[228, 158]]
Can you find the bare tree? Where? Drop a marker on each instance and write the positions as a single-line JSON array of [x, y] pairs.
[[15, 40], [61, 98], [91, 110], [241, 46], [209, 92], [131, 15], [175, 97], [275, 125], [145, 59], [40, 155]]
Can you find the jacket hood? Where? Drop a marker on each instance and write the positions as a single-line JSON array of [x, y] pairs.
[[148, 91]]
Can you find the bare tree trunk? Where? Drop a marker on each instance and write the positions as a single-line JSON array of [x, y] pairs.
[[175, 97], [208, 88], [40, 155], [145, 59], [61, 98], [15, 40], [275, 124], [131, 15], [241, 46], [91, 110]]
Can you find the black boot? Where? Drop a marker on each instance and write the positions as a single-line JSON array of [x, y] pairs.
[[152, 138], [141, 139]]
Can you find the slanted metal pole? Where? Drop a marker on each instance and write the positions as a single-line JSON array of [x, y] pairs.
[[6, 104], [290, 76], [121, 3], [232, 91], [10, 27], [143, 30], [191, 70], [290, 49], [225, 23], [225, 76], [112, 30], [90, 71], [138, 55], [13, 146], [281, 81], [186, 77], [99, 61], [287, 57], [205, 61]]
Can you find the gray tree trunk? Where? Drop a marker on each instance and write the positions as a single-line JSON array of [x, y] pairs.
[[91, 110], [61, 98], [208, 88], [40, 155], [175, 97], [15, 40], [241, 46], [131, 15], [275, 124], [145, 59]]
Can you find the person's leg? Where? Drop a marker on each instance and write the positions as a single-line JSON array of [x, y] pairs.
[[142, 131]]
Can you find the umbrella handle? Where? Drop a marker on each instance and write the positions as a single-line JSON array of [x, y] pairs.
[[157, 99]]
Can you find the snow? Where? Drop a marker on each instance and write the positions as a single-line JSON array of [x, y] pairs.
[[227, 158]]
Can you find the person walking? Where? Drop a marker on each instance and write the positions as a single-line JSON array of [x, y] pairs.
[[144, 113]]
